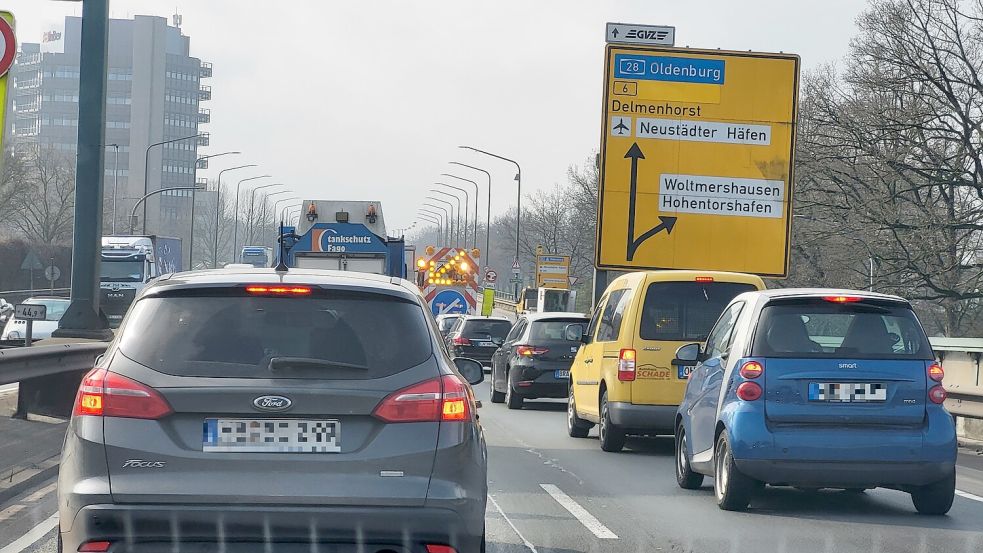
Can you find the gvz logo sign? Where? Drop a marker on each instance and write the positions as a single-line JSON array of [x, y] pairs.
[[646, 35]]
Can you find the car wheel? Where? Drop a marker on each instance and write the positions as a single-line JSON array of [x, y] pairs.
[[732, 488], [496, 396], [685, 477], [935, 499], [612, 438], [576, 426], [512, 399]]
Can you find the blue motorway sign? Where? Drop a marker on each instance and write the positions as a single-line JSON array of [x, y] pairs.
[[449, 302], [671, 69]]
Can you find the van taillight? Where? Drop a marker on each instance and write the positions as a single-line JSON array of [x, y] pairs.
[[937, 395], [626, 365], [935, 372], [106, 394], [440, 399]]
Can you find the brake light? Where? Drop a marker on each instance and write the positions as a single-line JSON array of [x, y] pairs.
[[704, 279], [461, 341], [937, 395], [94, 547], [842, 299], [530, 351], [440, 549], [752, 370], [106, 394], [626, 365], [749, 391], [935, 372], [440, 399], [279, 290]]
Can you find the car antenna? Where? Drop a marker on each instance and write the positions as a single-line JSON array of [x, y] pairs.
[[281, 265]]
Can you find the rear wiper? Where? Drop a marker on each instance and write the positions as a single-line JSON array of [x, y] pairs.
[[279, 363]]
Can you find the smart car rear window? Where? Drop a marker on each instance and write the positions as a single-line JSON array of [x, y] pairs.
[[342, 335]]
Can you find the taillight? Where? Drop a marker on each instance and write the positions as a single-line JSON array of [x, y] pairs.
[[530, 351], [106, 394], [749, 391], [704, 279], [626, 365], [94, 547], [935, 372], [937, 395], [842, 299], [460, 341], [440, 399], [440, 549], [279, 290], [752, 370]]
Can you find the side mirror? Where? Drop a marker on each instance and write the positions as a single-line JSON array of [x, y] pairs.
[[574, 332], [471, 370], [687, 356]]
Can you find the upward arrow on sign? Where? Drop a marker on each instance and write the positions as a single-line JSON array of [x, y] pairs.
[[666, 224]]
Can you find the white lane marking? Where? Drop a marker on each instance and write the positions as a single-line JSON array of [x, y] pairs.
[[10, 511], [41, 493], [8, 389], [579, 512], [525, 542], [32, 536], [968, 495]]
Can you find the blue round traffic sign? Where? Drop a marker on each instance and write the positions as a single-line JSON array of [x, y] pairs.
[[448, 302]]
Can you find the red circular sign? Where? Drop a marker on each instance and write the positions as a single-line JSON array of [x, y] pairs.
[[9, 46], [491, 276]]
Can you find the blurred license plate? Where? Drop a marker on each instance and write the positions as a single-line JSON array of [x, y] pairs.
[[684, 372], [272, 436], [483, 344], [847, 392], [561, 374]]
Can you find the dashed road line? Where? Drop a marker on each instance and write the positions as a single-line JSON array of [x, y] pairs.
[[525, 542], [32, 536], [968, 495], [41, 493], [10, 511], [588, 520]]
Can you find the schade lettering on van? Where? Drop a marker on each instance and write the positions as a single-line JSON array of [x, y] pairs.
[[848, 365], [654, 373], [141, 464]]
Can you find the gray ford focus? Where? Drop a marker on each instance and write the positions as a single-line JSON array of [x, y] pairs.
[[249, 409]]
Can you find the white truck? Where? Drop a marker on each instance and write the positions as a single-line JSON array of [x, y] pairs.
[[128, 263]]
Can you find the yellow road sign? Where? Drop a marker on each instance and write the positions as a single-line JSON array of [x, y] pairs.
[[696, 164], [8, 51], [552, 271]]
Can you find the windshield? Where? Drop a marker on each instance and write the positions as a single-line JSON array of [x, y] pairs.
[[121, 271], [257, 259], [685, 311], [233, 335]]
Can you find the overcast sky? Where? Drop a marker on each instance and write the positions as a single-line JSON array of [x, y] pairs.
[[368, 99]]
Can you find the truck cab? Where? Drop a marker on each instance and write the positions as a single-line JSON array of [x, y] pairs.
[[127, 263]]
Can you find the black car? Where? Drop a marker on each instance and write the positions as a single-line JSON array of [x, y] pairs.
[[534, 361], [477, 337]]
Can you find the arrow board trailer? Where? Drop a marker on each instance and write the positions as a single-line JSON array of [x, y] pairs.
[[447, 279], [696, 160]]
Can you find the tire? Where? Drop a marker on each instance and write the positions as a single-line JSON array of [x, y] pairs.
[[512, 399], [731, 488], [935, 499], [496, 396], [576, 426], [612, 438], [685, 477]]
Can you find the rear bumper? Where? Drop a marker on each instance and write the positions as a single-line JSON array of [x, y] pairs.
[[152, 528], [551, 388], [844, 474], [643, 419]]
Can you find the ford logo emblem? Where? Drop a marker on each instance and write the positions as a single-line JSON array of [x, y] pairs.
[[272, 403]]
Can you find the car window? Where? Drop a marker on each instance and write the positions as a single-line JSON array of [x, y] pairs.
[[818, 328], [720, 337], [595, 319], [516, 331], [685, 311], [231, 335], [553, 330], [480, 328], [447, 323], [610, 326], [456, 325]]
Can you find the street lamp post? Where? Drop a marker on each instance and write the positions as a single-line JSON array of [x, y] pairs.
[[442, 217], [276, 207], [467, 200], [133, 213], [518, 201], [115, 181], [252, 201], [458, 201], [487, 252], [194, 181], [474, 237], [146, 169], [431, 219], [449, 210], [235, 230], [218, 209]]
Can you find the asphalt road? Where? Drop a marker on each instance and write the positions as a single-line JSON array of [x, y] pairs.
[[555, 494]]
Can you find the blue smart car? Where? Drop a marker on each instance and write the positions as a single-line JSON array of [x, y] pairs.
[[816, 388]]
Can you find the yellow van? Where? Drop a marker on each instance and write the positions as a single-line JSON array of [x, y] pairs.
[[622, 378]]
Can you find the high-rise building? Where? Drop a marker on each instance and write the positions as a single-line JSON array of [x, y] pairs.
[[155, 93]]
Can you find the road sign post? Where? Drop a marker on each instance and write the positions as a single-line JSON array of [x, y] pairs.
[[552, 271], [29, 312], [696, 159]]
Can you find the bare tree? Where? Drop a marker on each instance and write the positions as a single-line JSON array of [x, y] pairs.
[[44, 200]]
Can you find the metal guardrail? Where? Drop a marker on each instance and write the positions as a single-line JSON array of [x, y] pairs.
[[21, 364]]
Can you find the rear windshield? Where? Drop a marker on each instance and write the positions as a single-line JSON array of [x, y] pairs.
[[685, 311], [477, 328], [553, 330], [823, 329], [336, 335]]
